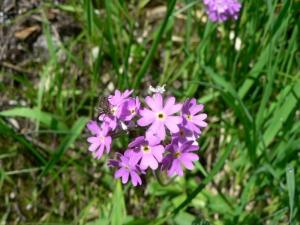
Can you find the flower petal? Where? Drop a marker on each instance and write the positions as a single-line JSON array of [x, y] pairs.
[[135, 178], [114, 163], [94, 140], [144, 112], [161, 131], [107, 142], [166, 161], [158, 101], [152, 140], [125, 177], [120, 172], [179, 170], [148, 160], [169, 104], [158, 151], [173, 167], [189, 156], [144, 121], [94, 146], [136, 142], [185, 106], [198, 120], [100, 151], [93, 126], [135, 158], [176, 108], [172, 122], [151, 103], [196, 109], [188, 164]]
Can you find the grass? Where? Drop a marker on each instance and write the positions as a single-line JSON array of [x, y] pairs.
[[249, 154]]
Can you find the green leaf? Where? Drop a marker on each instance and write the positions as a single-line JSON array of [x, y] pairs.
[[47, 119]]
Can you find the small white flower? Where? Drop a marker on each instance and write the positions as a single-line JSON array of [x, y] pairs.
[[158, 89]]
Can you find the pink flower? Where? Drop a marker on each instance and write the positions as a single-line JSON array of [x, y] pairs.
[[179, 154], [100, 141], [185, 134], [160, 116], [190, 119], [222, 10], [115, 103], [126, 169], [147, 149], [130, 109]]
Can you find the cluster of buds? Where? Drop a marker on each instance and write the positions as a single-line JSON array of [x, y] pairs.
[[222, 10], [121, 114]]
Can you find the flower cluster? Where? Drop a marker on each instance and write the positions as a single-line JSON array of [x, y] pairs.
[[222, 10], [159, 123]]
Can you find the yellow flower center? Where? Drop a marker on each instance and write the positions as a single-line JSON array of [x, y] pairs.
[[177, 155], [161, 116], [132, 111], [101, 138], [146, 148], [113, 111]]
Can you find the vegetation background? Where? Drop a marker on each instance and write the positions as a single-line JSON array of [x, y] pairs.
[[58, 57]]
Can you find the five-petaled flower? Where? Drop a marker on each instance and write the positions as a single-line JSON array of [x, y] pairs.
[[127, 168], [100, 141], [160, 116], [147, 149], [179, 154], [189, 110], [130, 109]]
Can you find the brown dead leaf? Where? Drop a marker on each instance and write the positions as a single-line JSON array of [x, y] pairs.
[[23, 34]]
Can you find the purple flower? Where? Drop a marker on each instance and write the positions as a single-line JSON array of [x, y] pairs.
[[147, 149], [100, 141], [119, 97], [109, 121], [179, 154], [130, 108], [221, 10], [115, 101], [127, 168], [160, 116], [184, 134], [189, 110]]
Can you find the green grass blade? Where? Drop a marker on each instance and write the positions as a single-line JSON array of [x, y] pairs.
[[5, 130], [47, 119], [290, 178], [110, 38], [66, 143], [89, 15], [146, 62]]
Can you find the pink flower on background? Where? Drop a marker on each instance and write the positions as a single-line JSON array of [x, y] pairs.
[[147, 149], [185, 134], [99, 142], [130, 109], [160, 116], [179, 154], [115, 103], [117, 118], [190, 118], [222, 10], [126, 169]]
